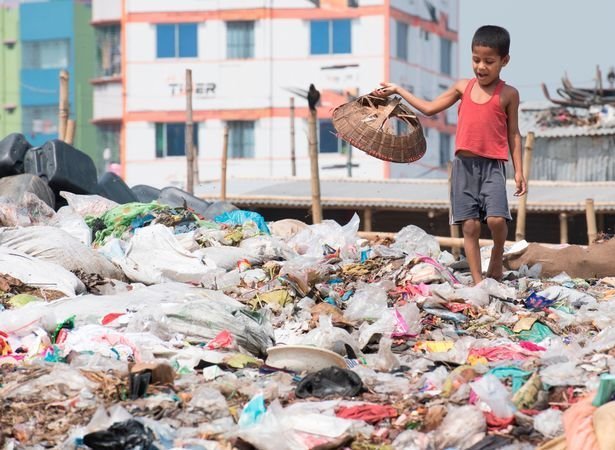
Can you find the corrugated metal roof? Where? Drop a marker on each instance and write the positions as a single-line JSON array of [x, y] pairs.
[[528, 121], [405, 194]]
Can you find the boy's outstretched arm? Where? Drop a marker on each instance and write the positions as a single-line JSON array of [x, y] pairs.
[[514, 142], [429, 108]]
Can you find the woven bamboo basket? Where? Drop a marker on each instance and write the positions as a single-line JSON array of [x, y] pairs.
[[366, 123]]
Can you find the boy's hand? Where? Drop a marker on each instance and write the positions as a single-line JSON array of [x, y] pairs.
[[521, 185], [386, 89]]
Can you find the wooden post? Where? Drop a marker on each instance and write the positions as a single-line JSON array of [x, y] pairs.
[[70, 132], [224, 160], [293, 157], [349, 161], [313, 145], [64, 107], [189, 146], [367, 219], [590, 215], [454, 228], [563, 228], [527, 165]]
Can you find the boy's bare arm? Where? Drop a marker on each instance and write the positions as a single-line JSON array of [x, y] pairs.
[[445, 100], [514, 140]]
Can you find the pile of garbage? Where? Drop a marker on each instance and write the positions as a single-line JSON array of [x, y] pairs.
[[148, 326]]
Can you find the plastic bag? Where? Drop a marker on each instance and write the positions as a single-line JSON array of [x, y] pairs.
[[549, 423], [493, 393], [414, 241], [368, 303], [240, 217], [225, 257], [461, 428], [38, 273], [55, 245], [412, 440], [88, 205], [68, 220], [128, 434], [386, 360], [154, 256], [30, 210], [253, 411], [327, 336], [310, 241]]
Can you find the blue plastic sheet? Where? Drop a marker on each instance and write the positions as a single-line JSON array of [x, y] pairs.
[[240, 217]]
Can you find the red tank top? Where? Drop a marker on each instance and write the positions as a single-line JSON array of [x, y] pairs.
[[482, 127]]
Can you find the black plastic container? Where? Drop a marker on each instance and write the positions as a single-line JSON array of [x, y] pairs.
[[113, 187], [173, 196], [145, 193], [15, 186], [13, 149], [63, 167]]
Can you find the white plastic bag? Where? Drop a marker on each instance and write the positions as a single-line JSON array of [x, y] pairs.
[[461, 428], [310, 241], [88, 205], [494, 394], [368, 303], [38, 273], [68, 220], [414, 241], [154, 256], [55, 245]]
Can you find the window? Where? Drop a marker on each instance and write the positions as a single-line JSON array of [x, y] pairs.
[[176, 40], [402, 41], [330, 36], [171, 139], [40, 120], [240, 40], [241, 139], [328, 141], [108, 57], [445, 149], [445, 55], [51, 54], [108, 137]]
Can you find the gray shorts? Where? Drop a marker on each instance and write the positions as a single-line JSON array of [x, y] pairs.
[[478, 189]]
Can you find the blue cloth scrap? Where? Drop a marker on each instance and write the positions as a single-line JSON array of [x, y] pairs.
[[240, 217]]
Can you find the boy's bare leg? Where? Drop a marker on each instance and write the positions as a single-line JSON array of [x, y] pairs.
[[471, 234], [499, 231]]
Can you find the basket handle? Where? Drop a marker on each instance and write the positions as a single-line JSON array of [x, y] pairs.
[[386, 112]]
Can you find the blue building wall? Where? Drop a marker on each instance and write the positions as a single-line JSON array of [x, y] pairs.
[[44, 21]]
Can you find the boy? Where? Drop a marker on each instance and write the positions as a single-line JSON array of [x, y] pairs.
[[487, 129]]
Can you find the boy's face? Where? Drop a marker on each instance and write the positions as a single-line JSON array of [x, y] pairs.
[[487, 64]]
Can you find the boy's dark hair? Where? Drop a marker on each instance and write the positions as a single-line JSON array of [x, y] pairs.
[[493, 37]]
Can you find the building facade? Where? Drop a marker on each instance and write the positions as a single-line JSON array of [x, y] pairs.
[[10, 111], [248, 58], [39, 39]]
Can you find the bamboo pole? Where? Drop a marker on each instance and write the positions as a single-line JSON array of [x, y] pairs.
[[313, 145], [527, 165], [224, 161], [368, 219], [189, 141], [293, 156], [454, 228], [64, 107], [70, 132], [444, 241], [563, 228], [590, 215]]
